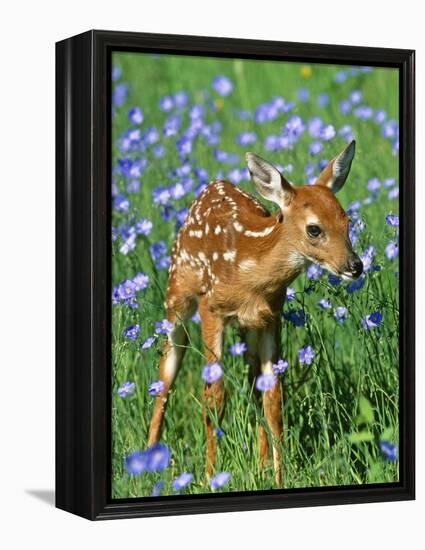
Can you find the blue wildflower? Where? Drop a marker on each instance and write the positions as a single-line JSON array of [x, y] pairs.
[[222, 85], [127, 290], [371, 321], [148, 342], [265, 382], [132, 332], [135, 115], [393, 193], [127, 389], [344, 107], [119, 95], [389, 451], [135, 463], [295, 316], [322, 100], [306, 355], [121, 203], [212, 372], [325, 304], [328, 132], [290, 294], [155, 388], [220, 480], [280, 367], [246, 138], [315, 148], [157, 458], [141, 281], [356, 285], [392, 220], [219, 433], [157, 250], [314, 272], [182, 481], [156, 489], [163, 327], [340, 314], [143, 226], [238, 349], [391, 250], [166, 103]]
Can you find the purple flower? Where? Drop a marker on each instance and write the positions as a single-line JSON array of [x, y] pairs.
[[315, 148], [371, 321], [163, 327], [155, 388], [238, 349], [328, 132], [325, 304], [379, 116], [148, 342], [222, 85], [119, 94], [355, 96], [135, 115], [373, 185], [345, 106], [219, 433], [166, 103], [367, 257], [220, 480], [171, 125], [121, 203], [160, 195], [295, 316], [133, 186], [156, 489], [280, 367], [356, 285], [132, 332], [306, 355], [157, 458], [184, 146], [392, 220], [303, 95], [135, 463], [180, 99], [340, 314], [314, 272], [388, 182], [393, 193], [116, 73], [389, 129], [212, 372], [182, 481], [334, 280], [141, 281], [265, 382], [143, 227], [158, 250], [391, 250], [127, 389], [389, 451], [322, 100], [246, 138], [127, 290], [290, 294]]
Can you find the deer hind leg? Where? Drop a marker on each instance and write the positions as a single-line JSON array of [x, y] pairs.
[[252, 358], [214, 397], [171, 359], [269, 350]]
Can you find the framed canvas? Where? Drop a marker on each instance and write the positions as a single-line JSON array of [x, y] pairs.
[[235, 274]]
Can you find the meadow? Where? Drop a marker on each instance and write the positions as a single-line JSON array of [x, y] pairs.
[[179, 122]]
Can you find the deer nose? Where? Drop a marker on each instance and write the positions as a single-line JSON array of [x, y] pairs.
[[355, 265]]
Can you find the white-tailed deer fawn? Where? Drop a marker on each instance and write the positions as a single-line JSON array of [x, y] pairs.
[[233, 260]]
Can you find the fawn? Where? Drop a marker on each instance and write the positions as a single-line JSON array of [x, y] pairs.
[[233, 260]]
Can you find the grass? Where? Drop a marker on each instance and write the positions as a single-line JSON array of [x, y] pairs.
[[337, 410]]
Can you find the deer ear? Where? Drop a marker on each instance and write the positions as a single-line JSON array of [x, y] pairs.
[[336, 172], [268, 181]]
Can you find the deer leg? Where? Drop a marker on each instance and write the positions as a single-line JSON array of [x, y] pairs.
[[214, 398], [252, 357], [269, 349], [172, 356]]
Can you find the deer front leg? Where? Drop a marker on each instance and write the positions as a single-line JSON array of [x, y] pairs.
[[170, 361], [269, 350], [214, 398]]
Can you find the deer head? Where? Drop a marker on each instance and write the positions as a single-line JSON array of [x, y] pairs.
[[316, 224]]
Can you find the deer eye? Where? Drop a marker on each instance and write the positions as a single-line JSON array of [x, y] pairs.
[[313, 231]]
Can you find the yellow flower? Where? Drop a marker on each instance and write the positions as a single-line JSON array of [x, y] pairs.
[[305, 71], [219, 104]]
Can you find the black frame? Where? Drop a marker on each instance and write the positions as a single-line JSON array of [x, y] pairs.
[[83, 274]]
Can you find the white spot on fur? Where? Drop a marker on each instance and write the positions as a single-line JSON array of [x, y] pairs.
[[247, 265], [262, 233], [215, 256], [230, 255], [217, 230]]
